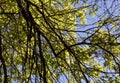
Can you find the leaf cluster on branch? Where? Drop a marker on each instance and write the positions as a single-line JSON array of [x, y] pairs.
[[59, 41]]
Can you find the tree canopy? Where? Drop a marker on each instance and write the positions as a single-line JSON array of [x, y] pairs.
[[60, 41]]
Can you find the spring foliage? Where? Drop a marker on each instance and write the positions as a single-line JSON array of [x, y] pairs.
[[40, 42]]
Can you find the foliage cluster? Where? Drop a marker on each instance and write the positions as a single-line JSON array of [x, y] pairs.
[[57, 41]]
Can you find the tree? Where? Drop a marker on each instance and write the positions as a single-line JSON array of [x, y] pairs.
[[57, 41]]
